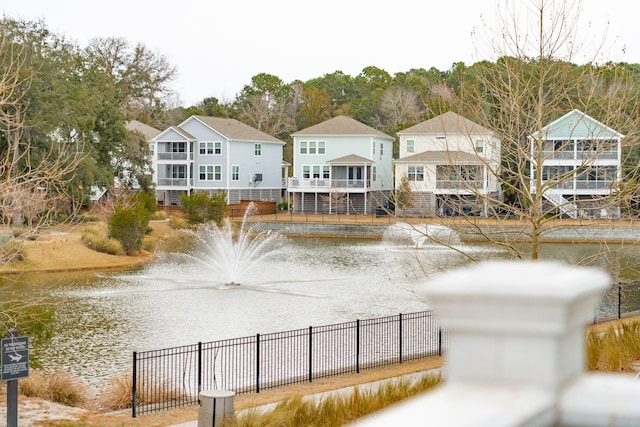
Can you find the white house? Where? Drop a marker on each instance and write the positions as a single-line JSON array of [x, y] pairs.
[[216, 154], [340, 166], [580, 160], [451, 164]]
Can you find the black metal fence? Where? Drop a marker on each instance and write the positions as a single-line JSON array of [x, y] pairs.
[[619, 301], [172, 377]]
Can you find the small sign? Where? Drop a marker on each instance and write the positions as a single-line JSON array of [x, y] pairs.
[[15, 358]]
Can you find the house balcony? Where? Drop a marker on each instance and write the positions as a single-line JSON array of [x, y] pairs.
[[175, 156], [583, 186], [325, 185], [175, 182], [458, 184], [580, 155]]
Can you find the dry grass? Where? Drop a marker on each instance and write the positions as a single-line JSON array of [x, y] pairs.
[[336, 410], [56, 386], [615, 349], [97, 238]]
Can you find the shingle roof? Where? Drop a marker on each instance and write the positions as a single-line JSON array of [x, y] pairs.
[[341, 125], [350, 159], [236, 130], [448, 122], [149, 132], [440, 156]]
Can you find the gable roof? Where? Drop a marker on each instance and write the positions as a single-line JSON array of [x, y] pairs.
[[451, 157], [233, 129], [350, 160], [448, 122], [183, 133], [343, 126], [576, 124], [149, 132]]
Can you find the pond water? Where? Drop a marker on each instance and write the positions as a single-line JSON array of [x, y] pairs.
[[101, 318]]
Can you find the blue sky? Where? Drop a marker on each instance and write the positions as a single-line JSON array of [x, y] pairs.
[[218, 46]]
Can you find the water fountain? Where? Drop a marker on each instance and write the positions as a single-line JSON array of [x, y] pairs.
[[421, 235], [228, 253]]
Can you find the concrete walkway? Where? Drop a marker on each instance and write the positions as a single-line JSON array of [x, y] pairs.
[[372, 386]]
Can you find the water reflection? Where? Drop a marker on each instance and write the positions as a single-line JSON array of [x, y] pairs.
[[102, 318]]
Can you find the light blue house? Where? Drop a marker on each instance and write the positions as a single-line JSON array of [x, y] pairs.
[[340, 166], [214, 154], [580, 163]]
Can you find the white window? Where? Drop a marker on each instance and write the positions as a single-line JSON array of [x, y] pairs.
[[326, 172], [217, 148], [306, 171], [479, 145], [411, 146], [415, 173], [381, 148], [235, 173], [257, 150], [373, 173], [210, 172], [313, 147], [374, 148], [205, 148], [316, 171]]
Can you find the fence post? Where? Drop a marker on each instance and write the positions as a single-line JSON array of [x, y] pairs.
[[358, 346], [310, 354], [439, 341], [619, 301], [199, 368], [133, 386], [257, 363], [400, 336]]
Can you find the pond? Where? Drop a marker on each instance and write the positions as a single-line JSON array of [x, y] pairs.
[[101, 318]]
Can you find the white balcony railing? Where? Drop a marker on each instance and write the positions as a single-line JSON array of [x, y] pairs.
[[328, 183], [175, 156], [175, 182]]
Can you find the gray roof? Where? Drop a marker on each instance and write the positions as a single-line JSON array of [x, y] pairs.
[[448, 122], [341, 125], [439, 157], [233, 129], [351, 159], [149, 132]]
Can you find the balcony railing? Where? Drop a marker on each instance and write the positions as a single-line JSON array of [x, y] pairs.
[[581, 184], [175, 156], [580, 155], [175, 182], [459, 184], [328, 183]]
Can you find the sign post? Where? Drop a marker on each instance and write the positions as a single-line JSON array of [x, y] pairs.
[[15, 365]]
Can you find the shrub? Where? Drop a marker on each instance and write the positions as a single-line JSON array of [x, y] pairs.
[[97, 238], [57, 387], [117, 394], [177, 222], [128, 225], [202, 207]]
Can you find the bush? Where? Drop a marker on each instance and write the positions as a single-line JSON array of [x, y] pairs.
[[57, 387], [128, 225], [97, 238], [202, 207]]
